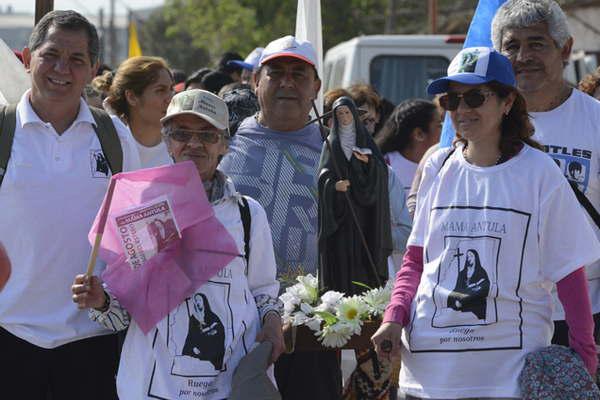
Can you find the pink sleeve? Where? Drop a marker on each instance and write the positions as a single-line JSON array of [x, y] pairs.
[[573, 294], [405, 288]]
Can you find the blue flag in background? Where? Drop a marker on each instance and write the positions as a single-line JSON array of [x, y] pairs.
[[479, 34]]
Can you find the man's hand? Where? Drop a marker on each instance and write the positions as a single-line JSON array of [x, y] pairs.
[[342, 186], [361, 157], [387, 340], [88, 292], [273, 332]]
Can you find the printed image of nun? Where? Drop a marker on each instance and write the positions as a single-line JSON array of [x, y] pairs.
[[472, 287], [205, 339], [162, 232]]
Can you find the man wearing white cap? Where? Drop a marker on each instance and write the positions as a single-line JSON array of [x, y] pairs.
[[193, 352], [274, 158]]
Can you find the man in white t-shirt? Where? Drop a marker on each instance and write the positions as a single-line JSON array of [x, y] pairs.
[[535, 36], [54, 183]]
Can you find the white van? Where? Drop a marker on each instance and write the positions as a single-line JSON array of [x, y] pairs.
[[398, 66], [401, 66]]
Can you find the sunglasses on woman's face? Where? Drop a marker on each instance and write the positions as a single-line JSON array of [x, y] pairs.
[[473, 98]]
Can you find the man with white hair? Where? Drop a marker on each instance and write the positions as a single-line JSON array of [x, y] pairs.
[[535, 36]]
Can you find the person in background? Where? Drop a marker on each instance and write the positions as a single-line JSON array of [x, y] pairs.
[[232, 70], [413, 127], [248, 66], [366, 98], [194, 81], [534, 35], [590, 84], [242, 103], [139, 93], [179, 78], [214, 81]]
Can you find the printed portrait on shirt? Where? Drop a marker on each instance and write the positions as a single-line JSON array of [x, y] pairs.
[[99, 164], [575, 169], [468, 282], [470, 292], [199, 333]]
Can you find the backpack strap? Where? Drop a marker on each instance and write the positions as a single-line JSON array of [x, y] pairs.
[[447, 157], [8, 123], [246, 222], [585, 203], [109, 140]]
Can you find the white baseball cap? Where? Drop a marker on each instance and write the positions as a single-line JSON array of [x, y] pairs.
[[201, 103], [289, 46]]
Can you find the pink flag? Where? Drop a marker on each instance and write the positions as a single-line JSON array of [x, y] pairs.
[[161, 241]]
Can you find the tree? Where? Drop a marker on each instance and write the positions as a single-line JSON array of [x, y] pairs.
[[175, 47]]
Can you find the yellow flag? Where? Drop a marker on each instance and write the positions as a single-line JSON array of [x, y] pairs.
[[134, 45]]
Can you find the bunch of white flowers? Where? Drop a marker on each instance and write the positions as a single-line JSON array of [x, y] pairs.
[[333, 317]]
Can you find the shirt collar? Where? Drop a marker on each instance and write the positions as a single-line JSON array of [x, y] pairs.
[[28, 116]]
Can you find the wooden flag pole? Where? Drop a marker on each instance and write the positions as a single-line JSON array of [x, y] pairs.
[[100, 229]]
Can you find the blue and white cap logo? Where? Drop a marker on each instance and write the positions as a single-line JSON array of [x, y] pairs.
[[473, 60]]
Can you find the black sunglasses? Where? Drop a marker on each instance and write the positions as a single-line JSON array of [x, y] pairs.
[[473, 98]]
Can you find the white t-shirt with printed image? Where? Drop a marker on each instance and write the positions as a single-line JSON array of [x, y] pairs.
[[495, 241], [570, 134]]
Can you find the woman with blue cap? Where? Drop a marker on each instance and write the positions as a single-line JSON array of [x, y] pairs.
[[464, 324]]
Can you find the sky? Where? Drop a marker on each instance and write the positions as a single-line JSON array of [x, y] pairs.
[[82, 6]]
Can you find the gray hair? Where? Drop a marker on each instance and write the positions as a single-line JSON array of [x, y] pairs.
[[524, 13], [70, 20]]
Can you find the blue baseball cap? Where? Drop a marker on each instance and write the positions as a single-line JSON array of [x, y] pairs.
[[475, 66], [250, 62]]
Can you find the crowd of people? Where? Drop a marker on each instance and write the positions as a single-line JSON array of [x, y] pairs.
[[492, 243]]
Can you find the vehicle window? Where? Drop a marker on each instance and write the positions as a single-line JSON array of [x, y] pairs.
[[399, 78]]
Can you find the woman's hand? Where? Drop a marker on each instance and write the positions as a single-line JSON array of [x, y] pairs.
[[387, 340], [88, 292], [342, 186]]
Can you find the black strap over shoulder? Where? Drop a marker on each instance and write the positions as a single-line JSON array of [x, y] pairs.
[[8, 123], [246, 221], [109, 140], [447, 157], [585, 203]]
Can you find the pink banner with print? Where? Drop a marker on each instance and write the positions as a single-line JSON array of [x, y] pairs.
[[161, 240]]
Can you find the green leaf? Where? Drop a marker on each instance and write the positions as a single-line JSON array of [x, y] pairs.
[[362, 285], [328, 317]]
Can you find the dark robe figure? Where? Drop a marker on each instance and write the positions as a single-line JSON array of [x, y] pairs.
[[472, 287], [342, 255], [205, 339]]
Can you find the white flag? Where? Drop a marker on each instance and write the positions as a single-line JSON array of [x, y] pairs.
[[308, 27], [15, 80]]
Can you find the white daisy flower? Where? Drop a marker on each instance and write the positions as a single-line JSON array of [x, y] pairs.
[[336, 335]]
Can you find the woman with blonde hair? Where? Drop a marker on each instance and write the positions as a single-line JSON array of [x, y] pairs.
[[139, 93]]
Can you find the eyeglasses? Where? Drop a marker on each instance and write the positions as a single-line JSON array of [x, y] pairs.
[[185, 135], [473, 98]]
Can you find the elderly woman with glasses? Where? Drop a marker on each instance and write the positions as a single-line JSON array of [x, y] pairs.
[[463, 324], [193, 352]]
